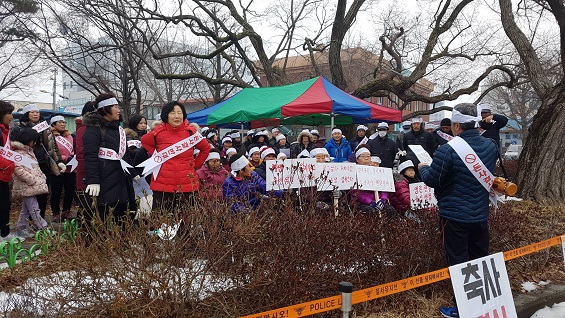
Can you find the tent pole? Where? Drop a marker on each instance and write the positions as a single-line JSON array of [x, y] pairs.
[[241, 131], [332, 120]]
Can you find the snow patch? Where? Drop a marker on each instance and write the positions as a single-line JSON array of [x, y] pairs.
[[529, 286], [556, 311]]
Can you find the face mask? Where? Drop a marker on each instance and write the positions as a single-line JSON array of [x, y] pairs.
[[382, 134]]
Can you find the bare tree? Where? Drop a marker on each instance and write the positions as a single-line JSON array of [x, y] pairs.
[[542, 157], [11, 14]]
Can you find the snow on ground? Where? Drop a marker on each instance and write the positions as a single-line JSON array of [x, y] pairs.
[[79, 290], [556, 311]]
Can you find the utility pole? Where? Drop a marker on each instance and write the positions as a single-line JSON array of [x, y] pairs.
[[55, 89]]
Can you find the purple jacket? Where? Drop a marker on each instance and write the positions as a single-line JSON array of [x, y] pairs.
[[365, 197], [211, 182]]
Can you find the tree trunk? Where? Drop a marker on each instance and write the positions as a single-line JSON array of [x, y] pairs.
[[542, 162]]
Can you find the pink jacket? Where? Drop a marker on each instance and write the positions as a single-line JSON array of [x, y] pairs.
[[211, 182], [27, 182], [65, 153]]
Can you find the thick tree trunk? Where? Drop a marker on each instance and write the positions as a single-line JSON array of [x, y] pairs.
[[542, 162]]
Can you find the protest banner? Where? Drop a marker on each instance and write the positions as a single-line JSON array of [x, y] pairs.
[[290, 173], [482, 288], [336, 176], [421, 196], [374, 178]]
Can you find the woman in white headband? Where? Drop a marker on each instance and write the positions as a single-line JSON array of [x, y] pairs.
[[105, 178], [67, 179], [365, 199], [244, 189], [212, 176]]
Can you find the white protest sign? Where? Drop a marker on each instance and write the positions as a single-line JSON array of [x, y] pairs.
[[421, 196], [422, 155], [482, 288], [375, 178], [290, 173], [336, 175]]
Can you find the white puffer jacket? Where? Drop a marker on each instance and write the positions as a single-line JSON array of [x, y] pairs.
[[27, 182]]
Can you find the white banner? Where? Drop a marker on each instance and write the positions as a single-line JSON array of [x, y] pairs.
[[16, 157], [41, 126], [61, 141], [421, 196], [336, 175], [375, 178], [153, 164], [110, 154], [445, 136], [422, 155], [291, 173], [482, 288], [134, 143]]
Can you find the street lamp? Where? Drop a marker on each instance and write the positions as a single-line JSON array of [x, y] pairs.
[[55, 94]]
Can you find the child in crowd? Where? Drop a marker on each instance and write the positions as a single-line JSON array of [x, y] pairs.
[[212, 176], [366, 199], [400, 199], [28, 183]]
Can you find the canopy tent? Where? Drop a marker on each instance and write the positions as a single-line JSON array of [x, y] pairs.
[[312, 102]]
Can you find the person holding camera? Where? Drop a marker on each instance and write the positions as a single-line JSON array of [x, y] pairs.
[[462, 188]]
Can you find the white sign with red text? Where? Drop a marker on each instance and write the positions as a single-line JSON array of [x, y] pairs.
[[375, 178], [421, 196], [290, 173], [336, 176], [41, 126], [482, 288]]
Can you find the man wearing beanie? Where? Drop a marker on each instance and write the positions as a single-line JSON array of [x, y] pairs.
[[443, 134], [491, 124]]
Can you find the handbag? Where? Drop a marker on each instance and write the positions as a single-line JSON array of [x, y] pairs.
[[53, 167]]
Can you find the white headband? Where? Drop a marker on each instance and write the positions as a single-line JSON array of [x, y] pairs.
[[235, 135], [227, 138], [213, 155], [429, 126], [239, 164], [457, 117], [361, 151], [281, 155], [375, 159], [274, 130], [29, 108], [336, 130], [362, 127], [107, 102], [253, 150], [304, 154], [210, 134], [280, 137], [230, 150], [57, 118], [317, 151], [268, 151]]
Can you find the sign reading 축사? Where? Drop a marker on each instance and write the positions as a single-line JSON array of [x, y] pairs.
[[482, 288]]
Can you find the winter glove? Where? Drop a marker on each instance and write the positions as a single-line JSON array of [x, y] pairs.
[[93, 190], [136, 178], [379, 205], [401, 153], [62, 166]]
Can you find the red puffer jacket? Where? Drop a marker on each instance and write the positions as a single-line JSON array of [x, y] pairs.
[[80, 172], [400, 199], [6, 166], [179, 173]]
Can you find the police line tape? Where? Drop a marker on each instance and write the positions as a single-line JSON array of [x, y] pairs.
[[371, 293]]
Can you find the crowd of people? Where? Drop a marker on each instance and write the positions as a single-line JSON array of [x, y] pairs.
[[98, 166]]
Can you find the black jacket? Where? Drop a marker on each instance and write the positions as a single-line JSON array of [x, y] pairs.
[[385, 149], [439, 139], [115, 185], [492, 130], [422, 138]]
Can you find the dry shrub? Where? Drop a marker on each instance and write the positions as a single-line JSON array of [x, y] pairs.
[[226, 265]]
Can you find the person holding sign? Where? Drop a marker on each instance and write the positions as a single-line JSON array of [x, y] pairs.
[[400, 199], [106, 176], [67, 179], [212, 176], [244, 189], [418, 136], [461, 175], [173, 164], [366, 199], [6, 170]]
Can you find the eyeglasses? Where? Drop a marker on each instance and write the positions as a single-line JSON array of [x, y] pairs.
[[382, 129]]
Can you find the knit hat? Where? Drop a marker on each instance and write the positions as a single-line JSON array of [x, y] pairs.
[[266, 152], [445, 122], [134, 121], [405, 165]]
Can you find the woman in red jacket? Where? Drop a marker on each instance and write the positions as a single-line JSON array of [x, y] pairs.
[[177, 179], [6, 170]]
